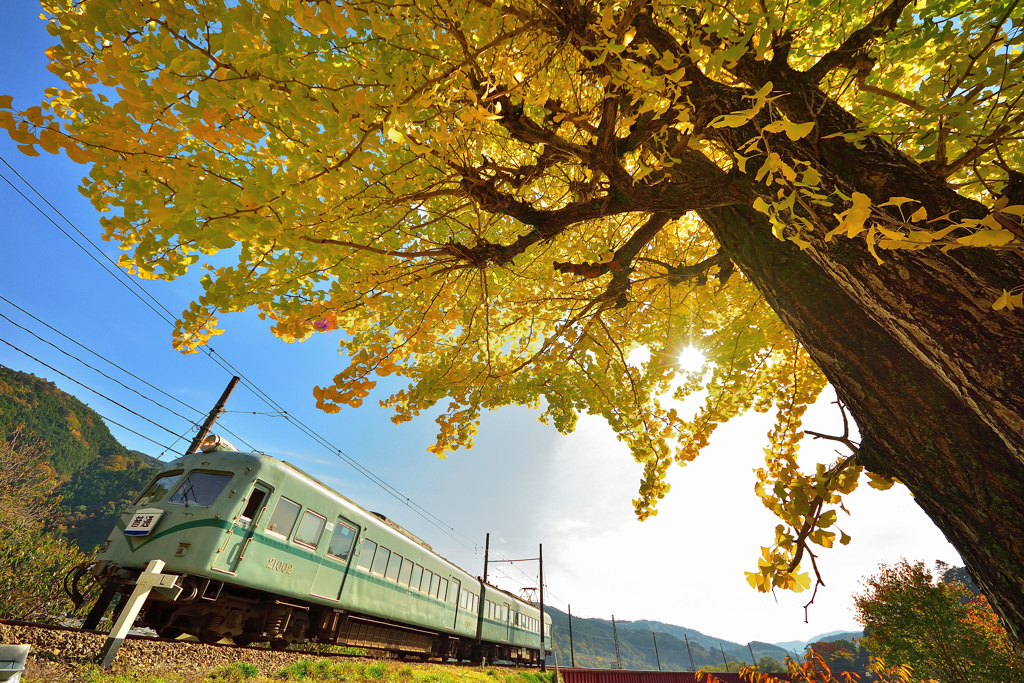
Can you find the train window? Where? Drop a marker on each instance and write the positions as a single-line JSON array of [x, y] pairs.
[[428, 577], [310, 529], [159, 488], [394, 566], [406, 574], [380, 563], [341, 541], [464, 600], [417, 576], [200, 488], [366, 554], [489, 608], [442, 594], [252, 507], [283, 519], [435, 581]]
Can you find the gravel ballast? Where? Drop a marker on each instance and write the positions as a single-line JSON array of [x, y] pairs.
[[60, 655]]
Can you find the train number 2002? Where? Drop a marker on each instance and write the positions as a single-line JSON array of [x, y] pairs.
[[278, 565]]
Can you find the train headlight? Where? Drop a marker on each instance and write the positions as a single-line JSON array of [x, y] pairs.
[[212, 442]]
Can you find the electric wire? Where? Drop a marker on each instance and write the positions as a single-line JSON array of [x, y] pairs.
[[115, 422], [194, 423], [110, 362], [88, 388], [100, 356], [65, 233], [134, 287]]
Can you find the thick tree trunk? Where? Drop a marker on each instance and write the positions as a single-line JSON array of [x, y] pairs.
[[914, 425], [937, 306]]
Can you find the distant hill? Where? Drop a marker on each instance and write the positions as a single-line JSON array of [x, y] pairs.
[[101, 477], [798, 646], [594, 645]]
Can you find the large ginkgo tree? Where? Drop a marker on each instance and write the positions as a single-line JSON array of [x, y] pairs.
[[542, 202]]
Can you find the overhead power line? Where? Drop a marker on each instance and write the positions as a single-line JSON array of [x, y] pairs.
[[109, 362], [169, 318]]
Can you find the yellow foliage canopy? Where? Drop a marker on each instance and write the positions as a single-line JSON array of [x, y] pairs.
[[499, 200]]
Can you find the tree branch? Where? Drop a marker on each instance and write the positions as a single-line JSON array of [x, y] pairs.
[[849, 54]]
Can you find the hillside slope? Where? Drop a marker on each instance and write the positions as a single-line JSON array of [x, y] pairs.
[[100, 475]]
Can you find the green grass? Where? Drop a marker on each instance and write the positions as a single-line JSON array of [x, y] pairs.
[[326, 671]]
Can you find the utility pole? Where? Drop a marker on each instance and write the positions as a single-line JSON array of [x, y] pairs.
[[692, 667], [656, 656], [615, 633], [724, 660], [543, 649], [753, 662], [212, 417], [572, 648], [487, 553]]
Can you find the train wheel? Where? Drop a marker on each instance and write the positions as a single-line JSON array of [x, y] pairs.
[[279, 644], [209, 637], [241, 641]]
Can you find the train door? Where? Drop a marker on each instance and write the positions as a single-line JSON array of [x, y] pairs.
[[453, 598], [333, 570], [239, 535]]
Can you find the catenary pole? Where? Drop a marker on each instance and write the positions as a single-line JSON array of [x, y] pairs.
[[615, 634], [692, 667], [572, 647], [657, 657]]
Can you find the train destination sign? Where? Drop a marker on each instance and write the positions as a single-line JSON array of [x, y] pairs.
[[142, 522]]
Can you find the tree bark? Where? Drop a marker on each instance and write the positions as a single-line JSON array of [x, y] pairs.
[[937, 306], [914, 425]]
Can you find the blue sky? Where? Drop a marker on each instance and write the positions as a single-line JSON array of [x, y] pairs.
[[523, 482]]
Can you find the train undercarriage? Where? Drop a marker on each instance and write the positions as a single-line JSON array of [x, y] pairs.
[[214, 610]]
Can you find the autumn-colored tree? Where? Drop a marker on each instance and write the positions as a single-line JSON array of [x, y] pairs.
[[543, 203], [33, 556], [814, 669], [769, 665], [941, 631], [844, 656]]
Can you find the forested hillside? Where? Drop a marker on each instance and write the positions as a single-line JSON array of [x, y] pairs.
[[99, 475], [73, 432], [593, 644]]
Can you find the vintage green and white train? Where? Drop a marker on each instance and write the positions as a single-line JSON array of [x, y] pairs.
[[266, 553]]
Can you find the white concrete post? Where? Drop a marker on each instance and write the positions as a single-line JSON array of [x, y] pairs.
[[148, 580]]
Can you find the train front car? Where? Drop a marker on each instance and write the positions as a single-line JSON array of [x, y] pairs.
[[197, 516]]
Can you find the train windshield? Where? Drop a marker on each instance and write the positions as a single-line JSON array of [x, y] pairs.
[[158, 489], [200, 488]]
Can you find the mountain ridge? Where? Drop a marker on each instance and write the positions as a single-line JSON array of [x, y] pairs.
[[678, 648]]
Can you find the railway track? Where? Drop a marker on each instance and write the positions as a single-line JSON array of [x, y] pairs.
[[59, 652]]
